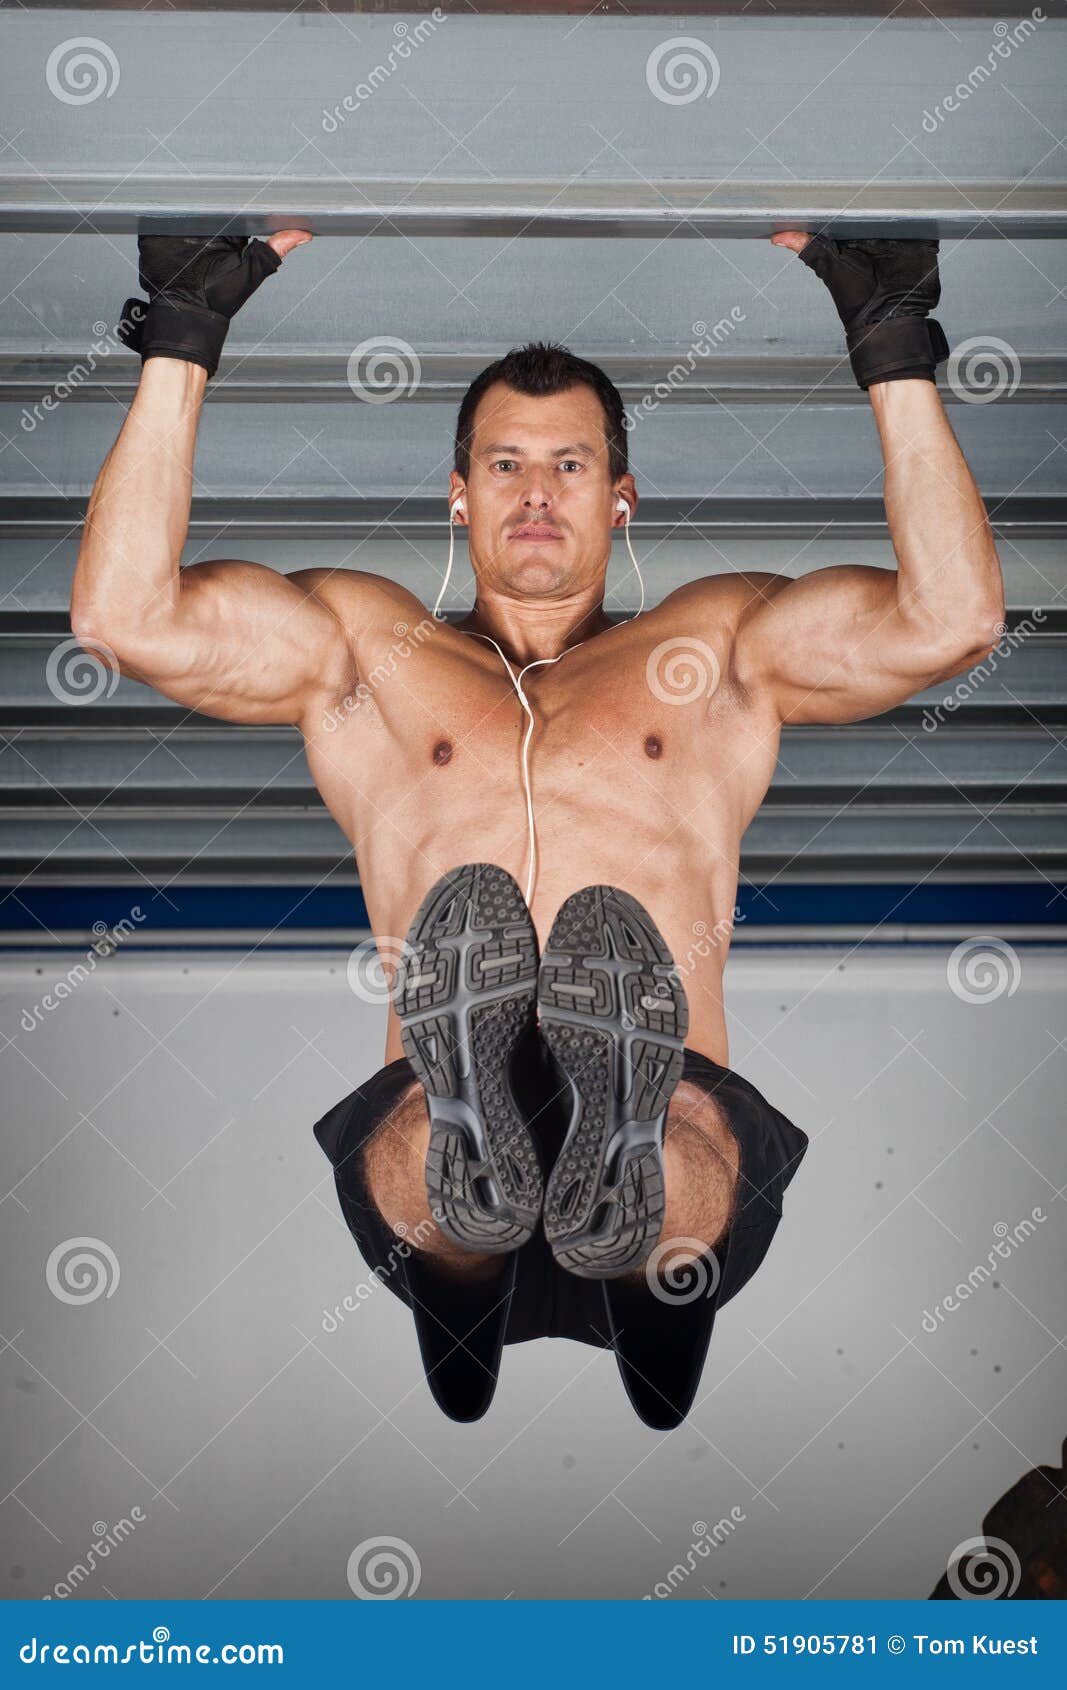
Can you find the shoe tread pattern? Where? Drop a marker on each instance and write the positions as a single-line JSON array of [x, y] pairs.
[[614, 1013], [465, 994]]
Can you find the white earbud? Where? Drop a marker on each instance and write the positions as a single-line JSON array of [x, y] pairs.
[[621, 505]]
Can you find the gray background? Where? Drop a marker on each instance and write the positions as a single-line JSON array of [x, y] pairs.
[[262, 1449]]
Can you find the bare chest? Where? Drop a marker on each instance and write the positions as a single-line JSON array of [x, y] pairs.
[[607, 727]]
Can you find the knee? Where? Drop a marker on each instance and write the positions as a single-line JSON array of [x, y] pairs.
[[696, 1120], [394, 1158], [395, 1172]]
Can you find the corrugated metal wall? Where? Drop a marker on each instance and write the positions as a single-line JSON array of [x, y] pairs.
[[507, 178]]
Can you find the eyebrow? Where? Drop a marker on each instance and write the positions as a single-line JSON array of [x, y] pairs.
[[560, 451]]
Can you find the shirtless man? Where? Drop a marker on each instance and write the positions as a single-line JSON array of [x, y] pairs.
[[556, 1115]]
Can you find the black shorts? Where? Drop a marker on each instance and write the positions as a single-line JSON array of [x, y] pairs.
[[660, 1338]]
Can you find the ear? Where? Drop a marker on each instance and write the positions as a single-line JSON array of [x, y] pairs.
[[624, 502]]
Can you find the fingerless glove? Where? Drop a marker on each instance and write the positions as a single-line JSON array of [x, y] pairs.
[[883, 290], [195, 284]]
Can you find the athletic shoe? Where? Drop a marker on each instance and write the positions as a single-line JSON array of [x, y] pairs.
[[613, 1012], [465, 992]]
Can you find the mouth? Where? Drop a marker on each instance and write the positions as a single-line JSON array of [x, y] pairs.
[[537, 531]]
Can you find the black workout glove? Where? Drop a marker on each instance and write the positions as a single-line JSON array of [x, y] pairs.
[[195, 284], [883, 290]]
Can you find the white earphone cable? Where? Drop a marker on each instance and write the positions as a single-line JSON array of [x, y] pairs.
[[451, 549], [538, 663]]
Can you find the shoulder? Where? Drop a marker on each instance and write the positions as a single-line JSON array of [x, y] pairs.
[[723, 609], [726, 600], [355, 593], [723, 613], [370, 609]]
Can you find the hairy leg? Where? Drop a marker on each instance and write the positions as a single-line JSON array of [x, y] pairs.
[[395, 1167], [701, 1161], [701, 1158]]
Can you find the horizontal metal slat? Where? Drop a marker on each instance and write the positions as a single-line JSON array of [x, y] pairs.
[[286, 850], [624, 299], [113, 801], [117, 204], [682, 454], [88, 764], [37, 625], [670, 378], [36, 571], [1031, 673], [1020, 516]]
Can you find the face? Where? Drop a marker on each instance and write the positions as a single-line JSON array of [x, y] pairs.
[[540, 502]]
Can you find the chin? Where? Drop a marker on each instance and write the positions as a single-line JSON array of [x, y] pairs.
[[536, 577]]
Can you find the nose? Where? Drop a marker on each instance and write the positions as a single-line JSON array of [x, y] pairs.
[[536, 500]]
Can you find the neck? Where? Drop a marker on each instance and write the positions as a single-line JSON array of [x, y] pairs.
[[529, 629]]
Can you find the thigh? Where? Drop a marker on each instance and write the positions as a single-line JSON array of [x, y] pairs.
[[343, 1134]]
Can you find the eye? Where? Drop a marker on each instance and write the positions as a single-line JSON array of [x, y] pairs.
[[508, 461], [574, 461]]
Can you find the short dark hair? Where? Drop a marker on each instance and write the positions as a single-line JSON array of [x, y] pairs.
[[539, 368]]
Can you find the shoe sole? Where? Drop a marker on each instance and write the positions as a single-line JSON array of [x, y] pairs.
[[614, 1014], [465, 993]]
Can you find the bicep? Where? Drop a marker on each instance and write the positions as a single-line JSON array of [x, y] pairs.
[[834, 646], [243, 643]]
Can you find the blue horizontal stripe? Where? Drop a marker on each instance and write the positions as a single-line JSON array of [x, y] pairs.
[[282, 909]]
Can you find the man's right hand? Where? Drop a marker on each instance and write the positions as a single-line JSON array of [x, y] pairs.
[[195, 284]]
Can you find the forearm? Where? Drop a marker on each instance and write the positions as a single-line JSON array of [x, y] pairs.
[[138, 517], [949, 580]]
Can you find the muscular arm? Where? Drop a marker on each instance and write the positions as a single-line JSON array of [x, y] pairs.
[[846, 643], [229, 639]]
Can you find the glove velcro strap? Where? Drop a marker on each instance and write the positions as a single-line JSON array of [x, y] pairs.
[[896, 349], [129, 326], [172, 328]]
